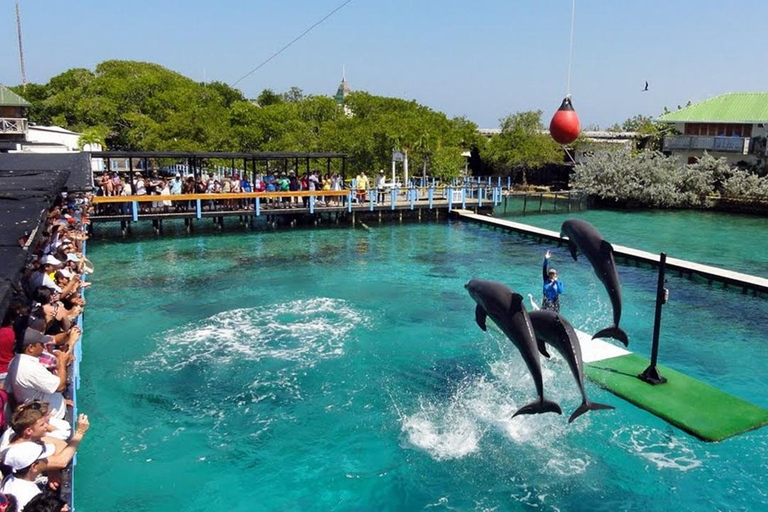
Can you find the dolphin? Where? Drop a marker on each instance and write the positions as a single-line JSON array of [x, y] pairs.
[[590, 242], [553, 328], [505, 307]]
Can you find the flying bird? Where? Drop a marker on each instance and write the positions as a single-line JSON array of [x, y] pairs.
[[646, 87]]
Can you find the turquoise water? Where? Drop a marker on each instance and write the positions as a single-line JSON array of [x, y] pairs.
[[342, 370], [731, 241]]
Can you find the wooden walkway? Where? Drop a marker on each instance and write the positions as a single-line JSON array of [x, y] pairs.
[[292, 207], [746, 282]]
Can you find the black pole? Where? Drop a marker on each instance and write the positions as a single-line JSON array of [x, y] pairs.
[[651, 374]]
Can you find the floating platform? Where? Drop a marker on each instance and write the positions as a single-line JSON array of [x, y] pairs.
[[692, 406], [689, 404]]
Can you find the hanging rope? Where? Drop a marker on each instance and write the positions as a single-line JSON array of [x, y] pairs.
[[570, 51]]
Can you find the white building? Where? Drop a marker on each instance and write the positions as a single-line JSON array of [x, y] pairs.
[[733, 126]]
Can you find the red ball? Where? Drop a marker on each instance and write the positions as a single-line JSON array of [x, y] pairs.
[[565, 126]]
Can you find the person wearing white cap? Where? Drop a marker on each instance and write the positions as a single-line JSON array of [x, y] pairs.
[[41, 277], [27, 461], [28, 379]]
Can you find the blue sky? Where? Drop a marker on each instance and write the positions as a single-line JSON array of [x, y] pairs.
[[483, 59]]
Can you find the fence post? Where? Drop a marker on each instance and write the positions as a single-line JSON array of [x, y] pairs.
[[430, 194], [450, 198], [198, 209], [135, 210]]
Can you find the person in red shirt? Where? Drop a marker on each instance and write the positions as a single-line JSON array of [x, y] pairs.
[[17, 308]]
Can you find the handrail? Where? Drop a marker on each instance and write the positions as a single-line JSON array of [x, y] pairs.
[[214, 197], [249, 195]]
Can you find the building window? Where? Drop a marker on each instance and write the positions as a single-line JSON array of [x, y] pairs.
[[719, 129]]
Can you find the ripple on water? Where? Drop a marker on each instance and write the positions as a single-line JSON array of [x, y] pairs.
[[662, 449]]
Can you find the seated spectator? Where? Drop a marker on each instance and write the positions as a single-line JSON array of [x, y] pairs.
[[41, 276], [27, 379], [8, 503], [46, 502], [26, 461], [30, 422], [16, 309]]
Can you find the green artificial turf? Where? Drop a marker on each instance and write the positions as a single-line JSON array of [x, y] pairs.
[[691, 405]]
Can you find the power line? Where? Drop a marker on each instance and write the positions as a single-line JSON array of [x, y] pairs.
[[281, 50]]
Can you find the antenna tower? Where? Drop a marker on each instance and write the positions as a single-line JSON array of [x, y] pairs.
[[21, 48]]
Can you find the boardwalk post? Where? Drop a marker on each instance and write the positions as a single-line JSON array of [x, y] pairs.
[[431, 194], [311, 204], [464, 197], [371, 195], [135, 210], [413, 197], [393, 197], [349, 202], [480, 197], [198, 209], [257, 206], [450, 199], [651, 374]]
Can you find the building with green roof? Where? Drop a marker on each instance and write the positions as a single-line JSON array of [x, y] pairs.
[[13, 116], [732, 125]]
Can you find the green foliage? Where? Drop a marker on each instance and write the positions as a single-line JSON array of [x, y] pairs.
[[523, 144], [93, 135], [268, 97], [744, 184], [654, 180], [142, 106]]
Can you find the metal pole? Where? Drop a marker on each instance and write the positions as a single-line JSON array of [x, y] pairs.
[[651, 374]]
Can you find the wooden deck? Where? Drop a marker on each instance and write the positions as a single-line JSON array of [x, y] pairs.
[[691, 269]]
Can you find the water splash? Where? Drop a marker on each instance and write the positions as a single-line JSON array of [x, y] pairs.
[[301, 331]]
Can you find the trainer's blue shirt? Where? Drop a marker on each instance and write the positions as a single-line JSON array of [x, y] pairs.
[[551, 290]]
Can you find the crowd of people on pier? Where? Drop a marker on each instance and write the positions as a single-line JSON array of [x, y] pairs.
[[38, 337], [111, 183]]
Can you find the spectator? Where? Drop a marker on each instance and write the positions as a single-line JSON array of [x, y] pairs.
[[27, 461], [176, 184], [30, 423], [27, 379], [46, 502]]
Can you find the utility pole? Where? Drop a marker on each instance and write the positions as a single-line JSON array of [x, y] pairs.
[[21, 48]]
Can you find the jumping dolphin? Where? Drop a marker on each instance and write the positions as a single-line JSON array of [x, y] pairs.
[[505, 308], [585, 237], [553, 328]]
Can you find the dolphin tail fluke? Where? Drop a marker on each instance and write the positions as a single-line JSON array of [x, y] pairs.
[[613, 332], [588, 406], [539, 406]]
